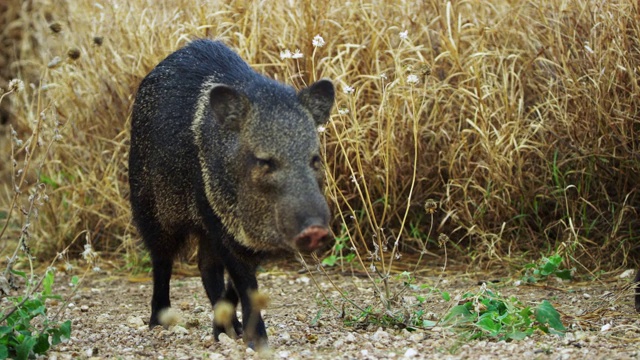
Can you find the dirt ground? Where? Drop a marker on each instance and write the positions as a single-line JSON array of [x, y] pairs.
[[109, 314]]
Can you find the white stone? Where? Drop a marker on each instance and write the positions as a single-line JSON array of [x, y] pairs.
[[411, 352]]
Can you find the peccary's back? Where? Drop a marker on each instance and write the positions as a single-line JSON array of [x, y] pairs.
[[164, 172]]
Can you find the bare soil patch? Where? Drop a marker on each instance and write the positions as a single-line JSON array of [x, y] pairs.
[[109, 320]]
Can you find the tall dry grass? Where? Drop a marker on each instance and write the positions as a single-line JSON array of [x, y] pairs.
[[519, 118]]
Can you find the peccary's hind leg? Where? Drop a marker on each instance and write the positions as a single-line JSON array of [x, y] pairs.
[[163, 247], [244, 280], [161, 277]]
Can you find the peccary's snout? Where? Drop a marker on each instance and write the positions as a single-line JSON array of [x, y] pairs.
[[312, 238]]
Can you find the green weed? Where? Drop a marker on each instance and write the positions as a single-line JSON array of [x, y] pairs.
[[546, 267], [28, 330], [487, 314]]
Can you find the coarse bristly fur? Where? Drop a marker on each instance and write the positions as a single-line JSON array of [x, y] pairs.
[[223, 153]]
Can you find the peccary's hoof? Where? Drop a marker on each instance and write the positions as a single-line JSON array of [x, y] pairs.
[[312, 238], [259, 345]]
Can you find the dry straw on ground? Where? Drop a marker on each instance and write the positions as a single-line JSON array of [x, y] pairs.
[[520, 118]]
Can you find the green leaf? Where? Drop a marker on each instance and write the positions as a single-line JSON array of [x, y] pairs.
[[22, 274], [4, 330], [4, 352], [330, 260], [555, 259], [518, 335], [428, 323], [75, 280], [24, 348], [546, 314], [445, 296], [564, 274], [42, 344], [459, 311], [65, 329], [40, 310], [489, 325], [47, 282], [548, 269]]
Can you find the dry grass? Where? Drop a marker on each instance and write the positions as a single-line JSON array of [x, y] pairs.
[[522, 124]]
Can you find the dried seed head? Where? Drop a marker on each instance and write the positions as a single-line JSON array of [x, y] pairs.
[[16, 85], [259, 300], [430, 206], [442, 239], [54, 62], [223, 313], [56, 27], [73, 53], [98, 40]]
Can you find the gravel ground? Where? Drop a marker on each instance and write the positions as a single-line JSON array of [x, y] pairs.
[[109, 315]]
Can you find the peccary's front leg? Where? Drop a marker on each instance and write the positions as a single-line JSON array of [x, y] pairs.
[[231, 297], [637, 282], [212, 273], [244, 280]]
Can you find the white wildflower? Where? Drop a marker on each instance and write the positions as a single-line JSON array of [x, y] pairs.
[[286, 54], [88, 254], [68, 267], [16, 85], [404, 35], [413, 79], [96, 269], [383, 76], [347, 89], [297, 54], [318, 41], [321, 129], [589, 49], [343, 111]]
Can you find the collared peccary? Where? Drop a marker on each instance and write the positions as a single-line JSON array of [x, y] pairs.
[[231, 158]]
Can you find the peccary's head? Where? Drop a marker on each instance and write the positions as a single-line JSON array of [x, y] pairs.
[[274, 164]]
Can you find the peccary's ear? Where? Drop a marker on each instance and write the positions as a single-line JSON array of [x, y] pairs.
[[318, 99], [229, 106]]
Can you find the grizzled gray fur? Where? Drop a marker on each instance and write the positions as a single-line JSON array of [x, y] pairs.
[[232, 158]]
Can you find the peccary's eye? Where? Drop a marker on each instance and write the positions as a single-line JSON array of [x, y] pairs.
[[316, 162], [266, 164]]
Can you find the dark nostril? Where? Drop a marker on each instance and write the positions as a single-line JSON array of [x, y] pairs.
[[312, 238]]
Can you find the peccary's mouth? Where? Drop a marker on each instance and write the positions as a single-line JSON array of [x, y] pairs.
[[312, 238]]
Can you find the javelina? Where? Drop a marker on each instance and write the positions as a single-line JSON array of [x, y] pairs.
[[232, 158]]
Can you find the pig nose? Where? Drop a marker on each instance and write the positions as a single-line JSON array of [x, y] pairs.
[[312, 238]]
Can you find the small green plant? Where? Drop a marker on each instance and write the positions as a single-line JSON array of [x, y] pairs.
[[487, 314], [546, 267], [339, 251], [138, 263], [28, 329]]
